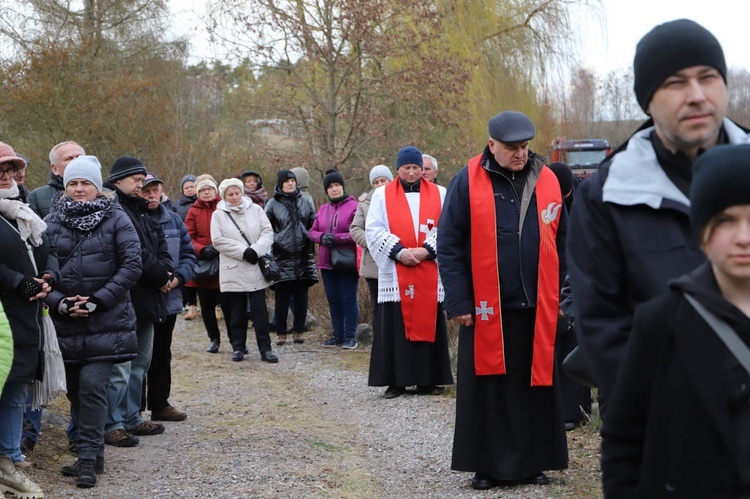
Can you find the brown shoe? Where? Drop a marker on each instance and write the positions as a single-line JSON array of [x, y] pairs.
[[169, 413], [298, 338], [192, 313], [147, 428], [280, 339]]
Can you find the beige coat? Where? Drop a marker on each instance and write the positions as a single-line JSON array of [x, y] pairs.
[[236, 274], [368, 268]]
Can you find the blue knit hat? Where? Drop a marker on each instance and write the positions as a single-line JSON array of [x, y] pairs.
[[409, 155]]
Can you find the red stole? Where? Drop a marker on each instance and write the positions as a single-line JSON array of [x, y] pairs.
[[489, 350], [418, 285]]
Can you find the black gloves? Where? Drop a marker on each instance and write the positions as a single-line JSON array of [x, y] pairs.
[[93, 304], [29, 288], [327, 239], [209, 253], [250, 256]]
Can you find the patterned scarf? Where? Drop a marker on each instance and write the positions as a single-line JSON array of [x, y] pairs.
[[82, 215]]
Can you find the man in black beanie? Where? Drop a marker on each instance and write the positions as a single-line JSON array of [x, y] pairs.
[[630, 232], [124, 421]]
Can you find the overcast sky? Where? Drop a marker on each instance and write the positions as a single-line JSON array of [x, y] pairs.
[[607, 41]]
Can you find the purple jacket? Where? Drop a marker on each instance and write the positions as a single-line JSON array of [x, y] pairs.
[[335, 218]]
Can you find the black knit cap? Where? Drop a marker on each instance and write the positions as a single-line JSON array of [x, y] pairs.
[[721, 176], [332, 176], [283, 176], [669, 48], [126, 166]]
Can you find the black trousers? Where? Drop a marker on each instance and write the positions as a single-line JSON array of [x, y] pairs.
[[285, 291], [209, 298], [158, 382], [238, 319], [189, 297]]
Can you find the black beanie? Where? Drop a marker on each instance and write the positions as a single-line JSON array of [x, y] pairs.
[[126, 166], [669, 48], [721, 176], [409, 155], [283, 176], [332, 176], [564, 176]]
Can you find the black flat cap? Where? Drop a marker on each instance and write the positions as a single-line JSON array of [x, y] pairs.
[[511, 126]]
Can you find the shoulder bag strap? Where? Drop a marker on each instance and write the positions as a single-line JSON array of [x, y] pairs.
[[725, 333], [238, 227]]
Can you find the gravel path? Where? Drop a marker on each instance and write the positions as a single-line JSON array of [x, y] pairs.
[[306, 427]]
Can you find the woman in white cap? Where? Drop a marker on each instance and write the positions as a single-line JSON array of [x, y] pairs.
[[98, 252], [241, 232]]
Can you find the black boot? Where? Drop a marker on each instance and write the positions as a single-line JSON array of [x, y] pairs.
[[86, 473], [72, 470], [213, 347]]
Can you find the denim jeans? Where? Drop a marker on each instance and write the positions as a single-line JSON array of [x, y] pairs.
[[341, 291], [126, 383], [32, 420], [87, 393], [12, 403]]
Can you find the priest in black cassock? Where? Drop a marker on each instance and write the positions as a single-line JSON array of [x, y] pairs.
[[410, 345], [501, 256]]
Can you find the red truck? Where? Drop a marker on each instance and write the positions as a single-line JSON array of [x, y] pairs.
[[582, 156]]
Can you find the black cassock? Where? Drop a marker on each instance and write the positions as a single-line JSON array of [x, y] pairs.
[[504, 426], [396, 361]]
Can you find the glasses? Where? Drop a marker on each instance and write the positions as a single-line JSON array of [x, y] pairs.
[[10, 171]]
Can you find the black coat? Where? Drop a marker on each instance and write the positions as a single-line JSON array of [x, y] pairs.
[[25, 317], [292, 217], [183, 204], [678, 423], [148, 300], [106, 265]]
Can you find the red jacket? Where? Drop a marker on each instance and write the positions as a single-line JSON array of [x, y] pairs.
[[198, 222]]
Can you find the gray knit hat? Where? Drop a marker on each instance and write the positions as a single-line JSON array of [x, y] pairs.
[[380, 171], [86, 168]]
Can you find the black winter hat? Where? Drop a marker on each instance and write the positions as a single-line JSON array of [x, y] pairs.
[[283, 176], [332, 176], [126, 166], [564, 176], [669, 48], [720, 179]]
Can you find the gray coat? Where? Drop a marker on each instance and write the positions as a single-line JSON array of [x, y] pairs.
[[368, 268]]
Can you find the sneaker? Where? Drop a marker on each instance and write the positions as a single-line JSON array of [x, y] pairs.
[[192, 313], [168, 413], [72, 470], [86, 473], [350, 344], [120, 438], [16, 482], [332, 342], [147, 428]]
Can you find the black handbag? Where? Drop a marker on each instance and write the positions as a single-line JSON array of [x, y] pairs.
[[206, 270], [343, 258], [269, 268], [575, 366]]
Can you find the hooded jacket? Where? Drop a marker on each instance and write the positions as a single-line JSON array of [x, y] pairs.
[[291, 217], [678, 379], [303, 183], [629, 235]]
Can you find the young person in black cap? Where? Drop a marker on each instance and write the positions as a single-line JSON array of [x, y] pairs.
[[124, 420], [291, 217], [678, 376], [630, 232], [501, 252]]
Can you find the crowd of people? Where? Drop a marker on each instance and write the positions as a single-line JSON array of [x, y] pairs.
[[645, 265]]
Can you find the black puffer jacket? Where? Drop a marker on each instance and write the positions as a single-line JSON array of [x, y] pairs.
[[183, 204], [106, 265], [291, 217], [25, 317]]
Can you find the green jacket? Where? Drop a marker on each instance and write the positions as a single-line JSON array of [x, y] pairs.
[[6, 347], [41, 198]]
